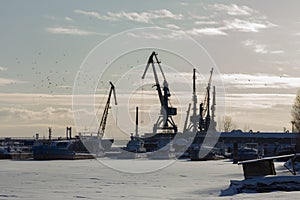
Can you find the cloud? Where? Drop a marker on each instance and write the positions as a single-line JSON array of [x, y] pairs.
[[246, 25], [184, 3], [225, 18], [206, 22], [146, 36], [257, 48], [206, 31], [25, 115], [277, 52], [234, 17], [234, 9], [227, 25], [260, 81], [28, 99], [3, 68], [5, 81], [145, 17], [260, 48], [172, 26], [179, 34], [176, 35], [92, 14], [68, 19], [69, 31], [31, 99], [255, 100], [237, 18]]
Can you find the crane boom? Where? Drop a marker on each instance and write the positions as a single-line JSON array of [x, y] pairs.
[[151, 62], [158, 62], [102, 125], [186, 119]]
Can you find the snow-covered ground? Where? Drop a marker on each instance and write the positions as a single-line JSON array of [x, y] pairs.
[[89, 179]]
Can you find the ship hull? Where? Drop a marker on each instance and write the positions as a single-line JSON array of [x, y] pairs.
[[52, 154]]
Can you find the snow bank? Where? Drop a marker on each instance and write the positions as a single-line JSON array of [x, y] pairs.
[[263, 184]]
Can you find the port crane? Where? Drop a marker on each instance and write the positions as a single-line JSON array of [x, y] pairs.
[[204, 107], [102, 125], [194, 118], [165, 121], [213, 123]]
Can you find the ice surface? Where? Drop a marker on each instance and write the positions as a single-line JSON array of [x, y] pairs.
[[89, 179]]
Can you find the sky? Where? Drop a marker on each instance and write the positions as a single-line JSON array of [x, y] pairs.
[[45, 47]]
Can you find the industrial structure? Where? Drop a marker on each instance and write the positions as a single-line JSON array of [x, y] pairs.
[[165, 121], [102, 125], [199, 125]]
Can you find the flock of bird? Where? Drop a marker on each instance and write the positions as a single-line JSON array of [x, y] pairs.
[[47, 80]]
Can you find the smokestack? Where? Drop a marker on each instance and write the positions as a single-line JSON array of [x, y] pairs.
[[70, 129], [69, 132], [50, 133], [136, 121]]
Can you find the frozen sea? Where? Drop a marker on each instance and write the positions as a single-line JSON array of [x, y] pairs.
[[90, 179]]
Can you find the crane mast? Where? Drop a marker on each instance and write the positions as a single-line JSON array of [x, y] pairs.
[[194, 119], [205, 107], [213, 123], [165, 120], [102, 125]]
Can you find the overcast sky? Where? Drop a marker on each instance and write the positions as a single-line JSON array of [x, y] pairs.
[[254, 44]]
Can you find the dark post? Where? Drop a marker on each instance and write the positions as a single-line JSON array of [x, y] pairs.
[[50, 133], [235, 153], [194, 81], [137, 121], [298, 143]]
